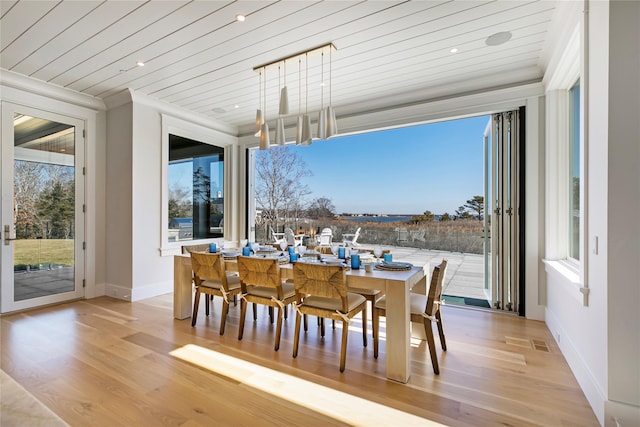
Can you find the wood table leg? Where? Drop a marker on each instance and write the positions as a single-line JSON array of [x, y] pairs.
[[182, 287], [398, 332]]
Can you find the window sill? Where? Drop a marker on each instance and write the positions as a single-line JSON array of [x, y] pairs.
[[170, 250], [570, 276]]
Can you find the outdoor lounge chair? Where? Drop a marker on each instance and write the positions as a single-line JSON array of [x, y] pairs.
[[277, 237], [325, 238], [351, 239], [292, 239]]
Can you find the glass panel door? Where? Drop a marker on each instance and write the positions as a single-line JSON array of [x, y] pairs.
[[42, 218], [502, 256], [489, 177]]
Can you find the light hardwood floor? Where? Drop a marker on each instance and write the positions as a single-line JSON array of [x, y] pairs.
[[106, 362]]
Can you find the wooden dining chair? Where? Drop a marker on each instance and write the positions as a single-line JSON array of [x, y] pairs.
[[425, 309], [211, 278], [261, 284], [371, 295], [321, 290]]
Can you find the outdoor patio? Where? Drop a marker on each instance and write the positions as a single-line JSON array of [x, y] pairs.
[[464, 277]]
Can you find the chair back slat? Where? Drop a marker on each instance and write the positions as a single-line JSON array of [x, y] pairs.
[[259, 271], [208, 266], [327, 281], [435, 288]]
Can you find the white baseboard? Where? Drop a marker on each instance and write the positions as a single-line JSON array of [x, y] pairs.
[[161, 288], [621, 415], [117, 291], [138, 293], [593, 392]]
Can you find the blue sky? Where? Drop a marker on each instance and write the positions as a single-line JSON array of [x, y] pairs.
[[435, 167]]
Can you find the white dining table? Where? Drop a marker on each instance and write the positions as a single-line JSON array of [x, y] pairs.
[[395, 284]]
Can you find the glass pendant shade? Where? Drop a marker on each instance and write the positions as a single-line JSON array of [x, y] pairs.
[[264, 137], [280, 136], [284, 101], [306, 130], [332, 124], [322, 124], [259, 121], [299, 131]]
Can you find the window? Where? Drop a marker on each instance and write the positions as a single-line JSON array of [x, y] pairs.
[[196, 190], [574, 172]]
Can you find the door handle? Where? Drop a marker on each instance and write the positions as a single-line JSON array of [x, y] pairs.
[[7, 235]]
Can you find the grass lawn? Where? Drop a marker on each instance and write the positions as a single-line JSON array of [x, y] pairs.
[[41, 251]]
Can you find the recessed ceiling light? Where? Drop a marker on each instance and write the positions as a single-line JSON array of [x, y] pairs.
[[236, 106], [498, 38], [140, 64], [454, 50], [240, 17]]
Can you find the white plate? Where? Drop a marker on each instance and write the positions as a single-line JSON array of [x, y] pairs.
[[309, 260]]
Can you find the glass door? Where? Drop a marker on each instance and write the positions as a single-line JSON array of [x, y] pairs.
[[503, 221], [489, 177], [42, 208]]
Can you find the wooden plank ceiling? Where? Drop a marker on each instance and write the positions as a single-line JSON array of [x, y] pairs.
[[199, 57]]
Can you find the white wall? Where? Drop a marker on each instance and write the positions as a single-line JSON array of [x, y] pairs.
[[136, 268], [152, 273], [623, 206], [601, 341], [119, 218], [97, 155]]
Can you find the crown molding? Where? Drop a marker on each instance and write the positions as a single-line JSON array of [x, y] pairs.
[[165, 108], [49, 90]]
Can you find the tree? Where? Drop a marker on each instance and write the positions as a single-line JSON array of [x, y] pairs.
[[27, 184], [321, 208], [461, 213], [56, 210], [476, 205], [425, 217], [180, 205], [279, 187], [445, 217]]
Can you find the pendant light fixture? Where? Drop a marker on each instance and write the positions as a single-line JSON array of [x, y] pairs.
[[264, 129], [327, 125], [284, 93], [306, 120], [332, 124], [280, 137], [259, 116], [299, 120], [322, 114]]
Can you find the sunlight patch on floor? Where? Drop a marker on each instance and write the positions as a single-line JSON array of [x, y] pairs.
[[324, 400], [18, 407]]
